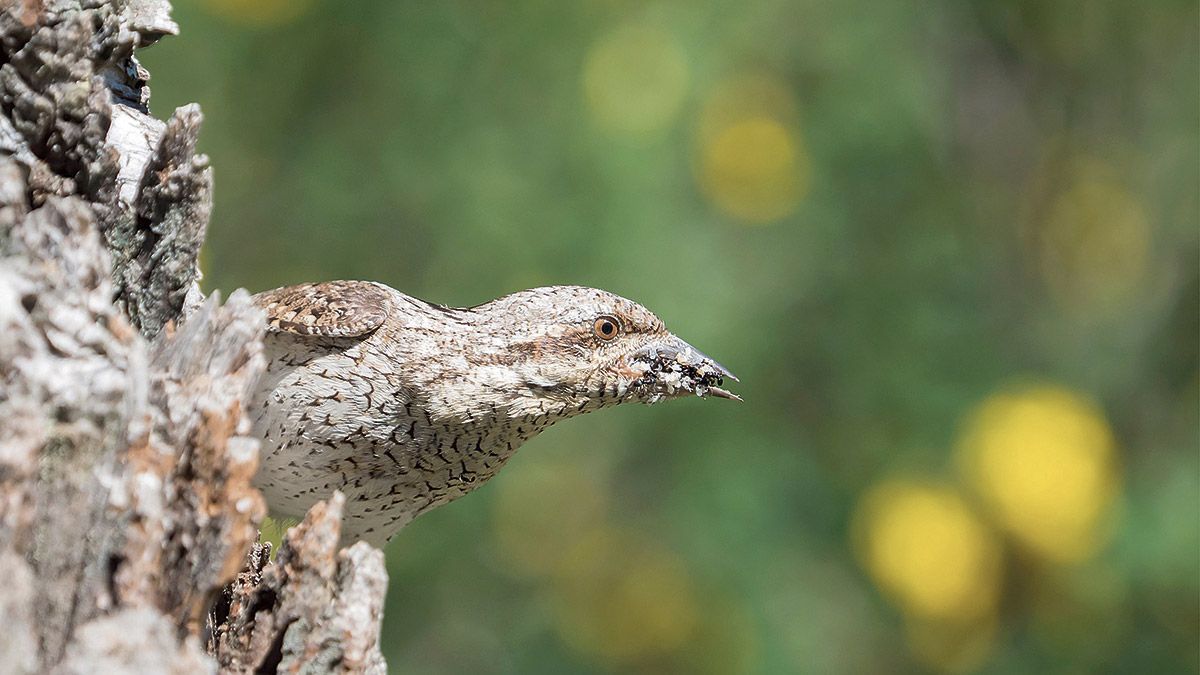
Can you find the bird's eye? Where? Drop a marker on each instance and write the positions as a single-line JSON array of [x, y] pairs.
[[606, 328]]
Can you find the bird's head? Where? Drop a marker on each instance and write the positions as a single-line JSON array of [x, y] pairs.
[[584, 348]]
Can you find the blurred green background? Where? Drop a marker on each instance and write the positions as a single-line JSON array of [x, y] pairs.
[[950, 248]]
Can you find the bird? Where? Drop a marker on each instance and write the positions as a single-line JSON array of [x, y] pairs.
[[404, 405]]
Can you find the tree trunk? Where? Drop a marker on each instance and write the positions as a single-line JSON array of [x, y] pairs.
[[126, 503]]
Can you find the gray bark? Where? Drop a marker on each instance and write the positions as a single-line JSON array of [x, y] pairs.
[[126, 503]]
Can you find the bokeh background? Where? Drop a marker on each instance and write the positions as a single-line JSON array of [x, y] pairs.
[[951, 248]]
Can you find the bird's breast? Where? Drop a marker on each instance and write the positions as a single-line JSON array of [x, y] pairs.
[[353, 418]]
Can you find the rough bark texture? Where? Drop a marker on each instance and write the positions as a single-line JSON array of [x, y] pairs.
[[308, 609], [125, 495]]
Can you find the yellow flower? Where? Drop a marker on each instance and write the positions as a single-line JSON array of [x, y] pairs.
[[1043, 459], [634, 79], [1094, 240], [752, 163], [928, 551]]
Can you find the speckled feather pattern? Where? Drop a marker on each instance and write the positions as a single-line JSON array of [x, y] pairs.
[[332, 309], [405, 405]]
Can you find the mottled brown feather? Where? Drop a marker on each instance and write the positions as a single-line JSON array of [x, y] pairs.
[[328, 309]]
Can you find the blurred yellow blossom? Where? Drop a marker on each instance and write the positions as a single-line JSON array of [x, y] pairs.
[[624, 598], [1043, 459], [1092, 242], [927, 550], [635, 78], [265, 12], [752, 161]]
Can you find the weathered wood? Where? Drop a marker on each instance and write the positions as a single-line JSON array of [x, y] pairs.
[[307, 611], [125, 495]]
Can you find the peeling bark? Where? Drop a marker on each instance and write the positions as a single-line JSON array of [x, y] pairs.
[[126, 501]]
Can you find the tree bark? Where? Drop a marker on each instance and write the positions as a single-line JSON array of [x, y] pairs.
[[126, 503]]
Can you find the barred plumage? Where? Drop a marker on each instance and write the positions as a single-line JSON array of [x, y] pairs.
[[404, 405]]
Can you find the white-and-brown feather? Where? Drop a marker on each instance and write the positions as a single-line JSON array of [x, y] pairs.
[[329, 309]]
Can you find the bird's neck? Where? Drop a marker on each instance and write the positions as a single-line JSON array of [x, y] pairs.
[[477, 376], [496, 394]]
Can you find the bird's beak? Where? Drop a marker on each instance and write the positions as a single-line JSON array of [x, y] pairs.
[[674, 367]]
